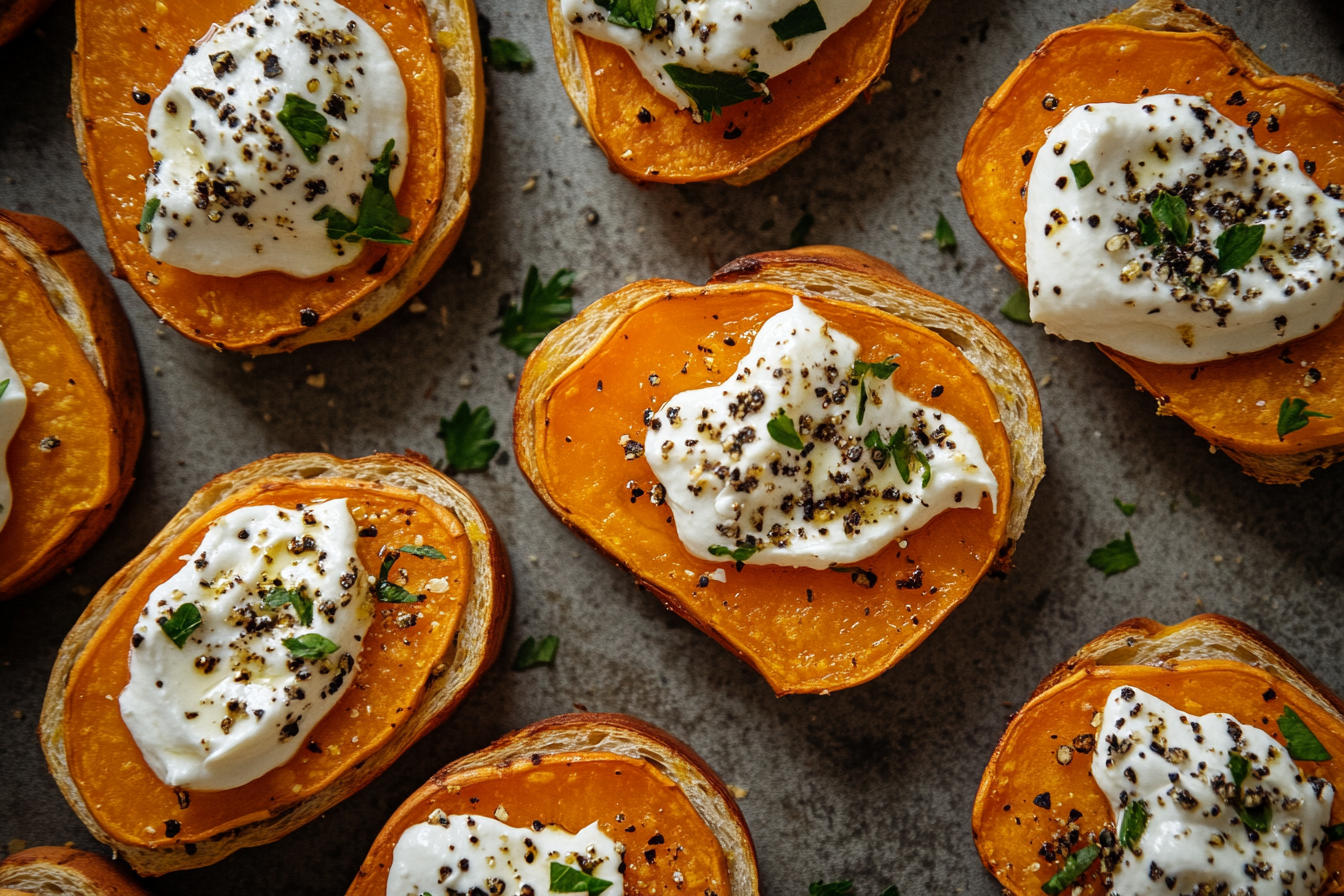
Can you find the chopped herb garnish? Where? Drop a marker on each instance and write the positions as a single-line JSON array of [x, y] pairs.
[[311, 646], [508, 55], [711, 91], [303, 606], [864, 578], [1149, 235], [467, 442], [1237, 245], [835, 888], [1134, 823], [423, 550], [1335, 832], [305, 124], [1074, 866], [566, 879], [902, 453], [1018, 307], [392, 593], [1082, 173], [535, 653], [3, 386], [1256, 819], [739, 555], [180, 623], [781, 429], [890, 891], [1169, 211], [147, 217], [630, 13], [800, 20], [1301, 742], [1126, 509], [541, 309], [943, 235], [880, 369], [1116, 557], [1293, 415], [378, 221], [798, 235]]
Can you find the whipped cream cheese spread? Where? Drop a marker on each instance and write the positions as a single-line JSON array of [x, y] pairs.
[[845, 491], [733, 36], [463, 854], [1104, 265], [1180, 768], [236, 191], [283, 604], [13, 404]]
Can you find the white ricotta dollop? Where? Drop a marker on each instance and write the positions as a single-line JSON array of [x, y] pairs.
[[461, 854], [837, 499], [13, 404], [1194, 842], [1091, 279], [710, 36], [237, 194], [233, 702]]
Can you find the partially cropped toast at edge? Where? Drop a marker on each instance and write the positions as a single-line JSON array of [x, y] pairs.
[[61, 871], [589, 767], [72, 459], [856, 629], [415, 676]]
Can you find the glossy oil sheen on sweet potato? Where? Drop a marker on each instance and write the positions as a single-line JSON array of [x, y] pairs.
[[632, 801], [394, 665], [1106, 63], [1010, 826], [804, 630], [139, 44]]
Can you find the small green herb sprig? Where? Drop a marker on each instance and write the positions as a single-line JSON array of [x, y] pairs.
[[782, 430], [378, 221], [535, 653], [467, 439], [881, 370], [1116, 557], [738, 555], [392, 593], [305, 124], [568, 879], [901, 450], [542, 308], [1018, 307], [710, 92], [799, 21], [180, 623], [1293, 415]]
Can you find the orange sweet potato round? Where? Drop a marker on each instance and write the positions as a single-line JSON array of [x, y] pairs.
[[139, 44], [608, 91], [1206, 664], [1159, 46], [71, 461]]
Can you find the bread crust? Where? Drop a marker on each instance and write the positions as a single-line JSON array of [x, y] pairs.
[[83, 298], [600, 733], [71, 872], [464, 129], [467, 657]]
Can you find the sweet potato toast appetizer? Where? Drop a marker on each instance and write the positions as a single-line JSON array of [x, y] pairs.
[[414, 676], [69, 872], [71, 461], [1155, 47], [648, 791], [805, 630]]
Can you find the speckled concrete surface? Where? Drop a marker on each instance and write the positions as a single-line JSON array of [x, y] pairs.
[[874, 783]]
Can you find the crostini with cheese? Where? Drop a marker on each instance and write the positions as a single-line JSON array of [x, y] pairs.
[[810, 458], [295, 628], [1163, 193], [586, 802], [63, 871]]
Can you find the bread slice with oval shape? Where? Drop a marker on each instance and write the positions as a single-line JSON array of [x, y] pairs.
[[65, 871]]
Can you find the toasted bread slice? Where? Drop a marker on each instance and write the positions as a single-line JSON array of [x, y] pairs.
[[464, 657], [64, 871]]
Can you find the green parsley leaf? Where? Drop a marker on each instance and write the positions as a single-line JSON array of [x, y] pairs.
[[428, 552], [740, 555], [711, 91], [467, 442], [1169, 210], [902, 453], [631, 13], [1335, 832], [340, 226], [782, 431], [534, 653], [565, 879], [864, 578], [392, 593], [880, 369], [800, 20], [541, 310], [1116, 557], [1293, 415], [1018, 307], [943, 235], [1134, 823], [147, 216], [3, 386], [1082, 173], [1302, 743], [305, 124], [1239, 765], [835, 888], [311, 646], [1256, 819], [1074, 866], [303, 606], [1149, 235], [1126, 509], [798, 235], [180, 623], [508, 56], [378, 220], [1237, 245]]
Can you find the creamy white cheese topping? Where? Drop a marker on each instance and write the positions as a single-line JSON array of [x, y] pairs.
[[711, 35], [1194, 842], [237, 194], [464, 854], [1091, 279], [13, 404], [233, 702], [837, 500]]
